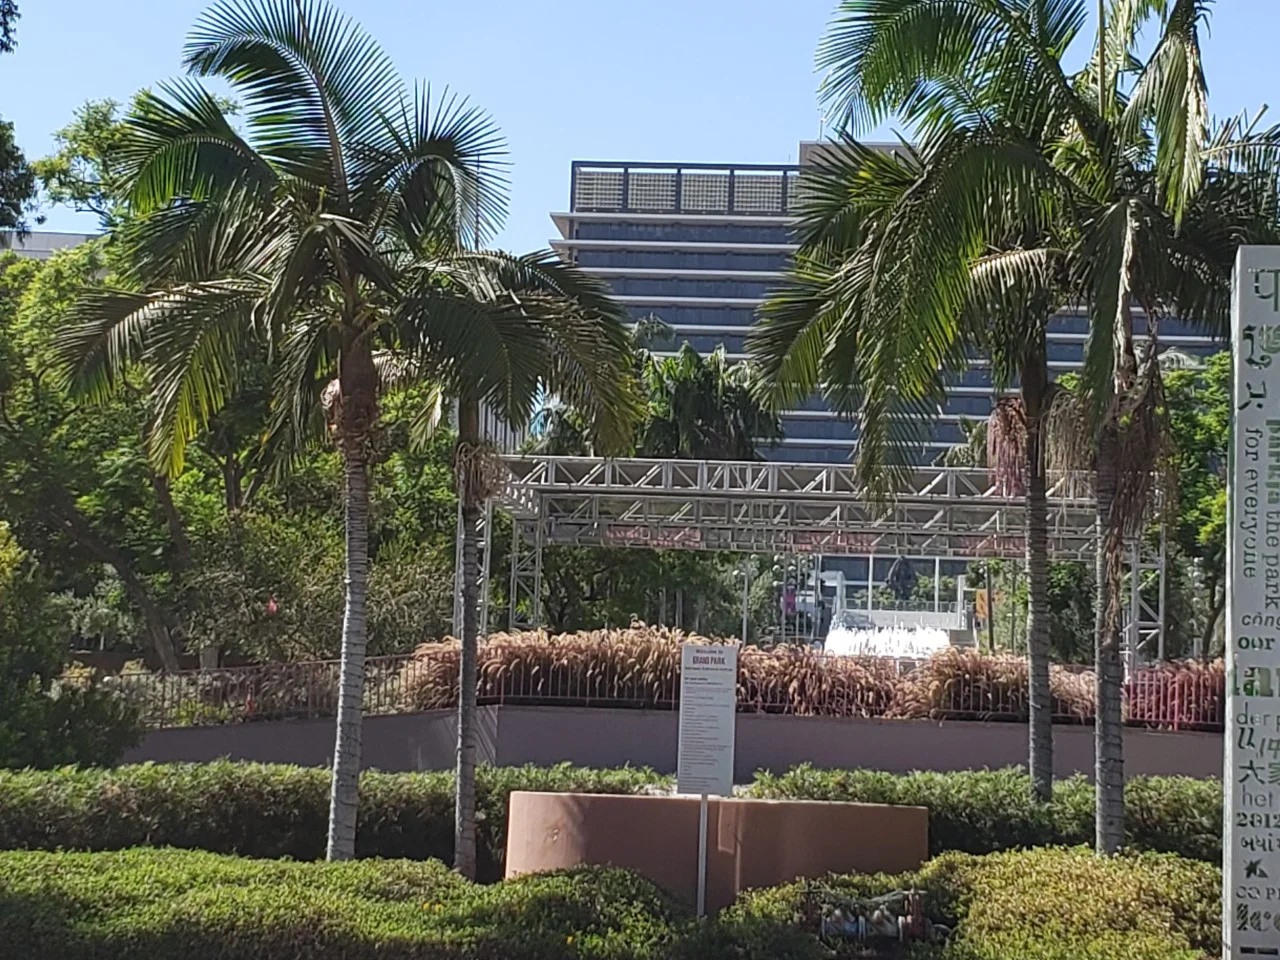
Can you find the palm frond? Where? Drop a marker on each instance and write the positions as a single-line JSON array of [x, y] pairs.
[[437, 171], [1108, 261], [1172, 95], [906, 57], [102, 337], [313, 83], [181, 146]]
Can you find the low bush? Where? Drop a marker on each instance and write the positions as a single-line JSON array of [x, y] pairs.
[[180, 905], [1047, 904], [272, 811], [986, 811], [279, 811]]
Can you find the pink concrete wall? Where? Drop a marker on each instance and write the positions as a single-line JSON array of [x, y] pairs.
[[610, 738], [750, 843]]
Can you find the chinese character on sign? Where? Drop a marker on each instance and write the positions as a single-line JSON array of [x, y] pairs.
[[1256, 396], [1250, 770], [1261, 344], [1266, 286]]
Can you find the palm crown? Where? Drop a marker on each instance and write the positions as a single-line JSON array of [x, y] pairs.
[[343, 220]]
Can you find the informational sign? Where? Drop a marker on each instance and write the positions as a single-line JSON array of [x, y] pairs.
[[708, 717], [1251, 769]]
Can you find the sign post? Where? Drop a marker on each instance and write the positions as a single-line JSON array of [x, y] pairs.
[[708, 718], [1251, 767]]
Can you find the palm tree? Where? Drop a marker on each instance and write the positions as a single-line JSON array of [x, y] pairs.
[[336, 232], [1112, 176], [696, 407], [542, 326], [702, 407], [860, 319]]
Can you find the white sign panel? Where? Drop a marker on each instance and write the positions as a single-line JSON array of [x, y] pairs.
[[708, 717], [1251, 769]]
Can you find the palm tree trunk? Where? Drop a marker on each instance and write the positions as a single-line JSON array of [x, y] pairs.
[[1108, 725], [464, 839], [1040, 755], [356, 415]]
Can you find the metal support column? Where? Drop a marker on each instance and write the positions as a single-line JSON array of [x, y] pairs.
[[526, 574], [1145, 628]]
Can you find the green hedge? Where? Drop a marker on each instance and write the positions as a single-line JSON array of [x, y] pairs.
[[270, 811], [183, 905], [1046, 904], [986, 811], [278, 811]]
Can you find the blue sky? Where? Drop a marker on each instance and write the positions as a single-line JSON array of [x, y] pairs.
[[660, 80]]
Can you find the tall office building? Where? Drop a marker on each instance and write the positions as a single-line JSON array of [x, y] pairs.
[[699, 246]]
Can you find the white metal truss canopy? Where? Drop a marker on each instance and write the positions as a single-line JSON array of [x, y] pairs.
[[769, 507]]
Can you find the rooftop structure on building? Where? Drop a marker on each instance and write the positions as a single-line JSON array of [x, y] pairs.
[[40, 244], [699, 246]]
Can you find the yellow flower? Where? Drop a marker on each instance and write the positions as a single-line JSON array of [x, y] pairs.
[[569, 939]]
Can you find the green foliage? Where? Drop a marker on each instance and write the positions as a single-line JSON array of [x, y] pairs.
[[273, 811], [1046, 904], [982, 812], [87, 170], [703, 408], [44, 723], [175, 905], [8, 25], [77, 490], [1071, 593], [279, 811], [17, 181], [1199, 407]]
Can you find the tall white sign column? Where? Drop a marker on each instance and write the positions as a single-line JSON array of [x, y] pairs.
[[1251, 769]]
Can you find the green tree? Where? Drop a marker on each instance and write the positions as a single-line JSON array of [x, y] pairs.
[[88, 168], [695, 408], [17, 183], [281, 232], [1199, 404], [858, 319], [44, 723], [702, 408], [8, 25], [336, 227], [74, 482]]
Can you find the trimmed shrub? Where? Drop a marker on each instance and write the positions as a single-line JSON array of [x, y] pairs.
[[1047, 904], [986, 811], [279, 811], [180, 905], [272, 811]]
